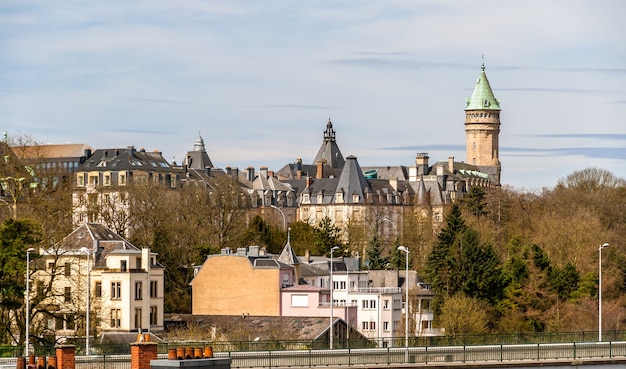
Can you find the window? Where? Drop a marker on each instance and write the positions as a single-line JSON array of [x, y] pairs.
[[385, 326], [116, 318], [372, 325], [385, 304], [153, 316], [116, 290], [123, 266], [122, 179], [342, 285], [107, 179], [365, 326], [299, 300], [67, 296], [138, 263], [98, 291], [51, 265], [93, 180], [153, 289], [81, 179], [137, 317], [68, 269], [138, 291], [366, 304]]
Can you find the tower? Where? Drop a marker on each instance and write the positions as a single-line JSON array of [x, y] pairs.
[[482, 128]]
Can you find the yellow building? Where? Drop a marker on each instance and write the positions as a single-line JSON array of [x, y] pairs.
[[242, 283]]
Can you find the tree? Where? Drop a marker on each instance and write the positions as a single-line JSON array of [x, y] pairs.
[[480, 275], [442, 263], [474, 201], [591, 179], [326, 235], [264, 234], [462, 315], [302, 236], [375, 260], [16, 237]]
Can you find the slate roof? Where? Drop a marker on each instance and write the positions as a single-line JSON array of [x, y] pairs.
[[329, 151], [98, 238], [352, 182], [126, 159], [261, 327], [198, 157]]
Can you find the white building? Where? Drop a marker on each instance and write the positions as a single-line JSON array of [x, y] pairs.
[[126, 285]]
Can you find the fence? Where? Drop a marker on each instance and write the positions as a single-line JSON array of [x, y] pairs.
[[485, 354]]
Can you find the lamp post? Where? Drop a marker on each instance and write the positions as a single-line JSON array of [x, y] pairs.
[[600, 290], [87, 338], [281, 213], [406, 303], [27, 344], [331, 295]]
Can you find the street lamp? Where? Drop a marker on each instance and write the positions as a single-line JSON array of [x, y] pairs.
[[281, 213], [86, 251], [27, 344], [600, 290], [406, 303], [331, 295]]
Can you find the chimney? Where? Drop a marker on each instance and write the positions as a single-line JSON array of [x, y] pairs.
[[299, 168], [309, 181], [421, 162], [263, 172], [451, 164], [270, 173], [320, 169], [250, 174], [307, 256]]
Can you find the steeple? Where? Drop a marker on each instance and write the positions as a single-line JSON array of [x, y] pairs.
[[482, 97], [329, 153], [482, 128]]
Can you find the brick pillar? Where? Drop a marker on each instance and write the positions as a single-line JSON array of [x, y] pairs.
[[141, 353], [66, 356]]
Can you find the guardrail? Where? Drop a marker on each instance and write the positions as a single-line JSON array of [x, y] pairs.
[[487, 354], [531, 354]]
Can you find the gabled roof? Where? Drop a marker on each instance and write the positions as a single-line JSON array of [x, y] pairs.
[[329, 151], [97, 238], [482, 98]]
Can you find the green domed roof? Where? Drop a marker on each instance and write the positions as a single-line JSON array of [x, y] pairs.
[[482, 97]]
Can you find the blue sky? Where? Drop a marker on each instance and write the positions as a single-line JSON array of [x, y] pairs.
[[260, 79]]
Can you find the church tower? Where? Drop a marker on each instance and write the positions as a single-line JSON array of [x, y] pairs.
[[482, 129]]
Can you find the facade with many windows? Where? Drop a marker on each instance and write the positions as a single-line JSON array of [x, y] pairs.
[[125, 285]]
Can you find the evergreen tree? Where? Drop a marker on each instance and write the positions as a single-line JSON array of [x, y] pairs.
[[443, 261], [375, 260], [480, 274], [475, 201], [326, 235]]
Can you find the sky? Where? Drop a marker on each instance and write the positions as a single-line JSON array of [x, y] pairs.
[[258, 80]]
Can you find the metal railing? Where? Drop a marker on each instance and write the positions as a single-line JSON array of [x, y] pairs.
[[478, 354]]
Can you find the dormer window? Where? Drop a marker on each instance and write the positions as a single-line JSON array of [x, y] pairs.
[[486, 103], [355, 198]]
